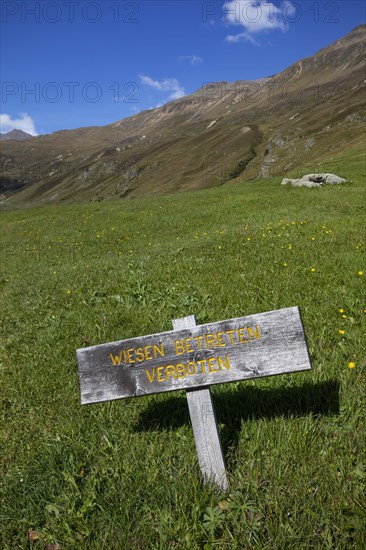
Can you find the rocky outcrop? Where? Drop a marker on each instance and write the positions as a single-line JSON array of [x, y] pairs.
[[354, 117], [313, 180]]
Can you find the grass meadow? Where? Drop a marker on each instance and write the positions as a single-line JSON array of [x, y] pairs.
[[124, 474]]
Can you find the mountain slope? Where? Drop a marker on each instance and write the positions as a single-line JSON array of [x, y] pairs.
[[223, 132]]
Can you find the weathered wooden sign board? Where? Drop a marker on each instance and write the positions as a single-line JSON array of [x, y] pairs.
[[194, 357]]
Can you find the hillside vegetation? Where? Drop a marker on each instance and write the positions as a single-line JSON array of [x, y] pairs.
[[124, 474]]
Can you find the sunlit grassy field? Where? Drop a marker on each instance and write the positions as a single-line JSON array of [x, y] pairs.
[[124, 474]]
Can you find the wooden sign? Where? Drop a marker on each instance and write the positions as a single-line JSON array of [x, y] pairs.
[[238, 349], [193, 358]]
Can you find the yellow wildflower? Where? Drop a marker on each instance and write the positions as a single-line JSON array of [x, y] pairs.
[[351, 365], [341, 331], [341, 310], [360, 273]]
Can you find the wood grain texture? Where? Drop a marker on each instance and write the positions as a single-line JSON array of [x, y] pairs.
[[233, 352], [204, 424]]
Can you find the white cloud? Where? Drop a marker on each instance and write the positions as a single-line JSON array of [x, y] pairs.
[[289, 9], [241, 37], [193, 59], [256, 16], [25, 123], [166, 85]]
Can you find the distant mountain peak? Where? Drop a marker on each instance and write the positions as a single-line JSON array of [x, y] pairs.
[[15, 135]]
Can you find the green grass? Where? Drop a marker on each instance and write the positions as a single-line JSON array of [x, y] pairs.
[[124, 474]]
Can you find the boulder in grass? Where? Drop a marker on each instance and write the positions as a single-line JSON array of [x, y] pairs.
[[286, 181], [313, 180]]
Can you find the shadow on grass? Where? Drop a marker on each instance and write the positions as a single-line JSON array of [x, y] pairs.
[[245, 403]]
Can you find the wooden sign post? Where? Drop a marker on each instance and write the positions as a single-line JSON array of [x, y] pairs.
[[193, 358], [204, 424]]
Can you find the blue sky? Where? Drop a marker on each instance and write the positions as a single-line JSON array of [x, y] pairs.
[[67, 64]]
